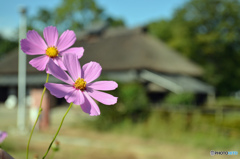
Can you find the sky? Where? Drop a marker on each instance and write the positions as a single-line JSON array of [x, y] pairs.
[[134, 12]]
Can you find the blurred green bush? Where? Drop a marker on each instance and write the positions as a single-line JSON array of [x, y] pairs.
[[185, 99], [132, 105]]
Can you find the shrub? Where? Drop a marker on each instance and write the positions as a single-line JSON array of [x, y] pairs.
[[186, 99], [132, 104]]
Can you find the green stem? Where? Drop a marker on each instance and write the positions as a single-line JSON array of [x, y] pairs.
[[58, 130], [39, 112]]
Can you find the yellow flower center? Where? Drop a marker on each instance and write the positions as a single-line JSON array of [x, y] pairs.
[[52, 52], [80, 84]]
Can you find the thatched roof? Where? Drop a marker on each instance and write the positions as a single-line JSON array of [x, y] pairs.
[[134, 49], [118, 50]]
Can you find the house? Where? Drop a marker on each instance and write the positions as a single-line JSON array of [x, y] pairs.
[[134, 55], [125, 55]]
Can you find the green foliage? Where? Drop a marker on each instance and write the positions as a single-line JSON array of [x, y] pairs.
[[115, 22], [74, 15], [43, 18], [78, 13], [161, 29], [180, 99], [132, 105], [208, 33], [133, 98], [6, 45]]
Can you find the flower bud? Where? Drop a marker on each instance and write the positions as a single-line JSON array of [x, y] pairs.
[[55, 146]]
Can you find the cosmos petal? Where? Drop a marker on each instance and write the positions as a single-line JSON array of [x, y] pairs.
[[58, 61], [74, 50], [73, 66], [59, 90], [75, 96], [39, 62], [103, 85], [90, 106], [91, 71], [30, 48], [66, 40], [36, 39], [3, 135], [103, 97], [50, 34], [57, 72]]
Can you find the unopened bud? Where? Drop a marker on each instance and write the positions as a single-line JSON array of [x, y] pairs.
[[55, 146]]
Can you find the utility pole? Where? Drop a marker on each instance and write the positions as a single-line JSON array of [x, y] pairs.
[[22, 73]]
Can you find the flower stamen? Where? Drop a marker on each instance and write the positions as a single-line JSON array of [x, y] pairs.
[[80, 83], [52, 52]]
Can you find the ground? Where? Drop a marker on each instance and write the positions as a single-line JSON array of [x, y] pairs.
[[83, 143]]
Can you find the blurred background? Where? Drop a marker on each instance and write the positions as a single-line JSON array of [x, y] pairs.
[[176, 64]]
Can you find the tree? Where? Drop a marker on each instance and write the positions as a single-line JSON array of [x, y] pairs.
[[80, 14], [43, 18], [75, 15], [208, 33], [6, 45]]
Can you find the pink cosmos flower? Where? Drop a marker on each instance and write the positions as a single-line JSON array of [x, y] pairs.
[[3, 135], [80, 86], [52, 50]]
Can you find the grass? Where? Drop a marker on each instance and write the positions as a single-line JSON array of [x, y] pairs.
[[202, 131], [188, 136]]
